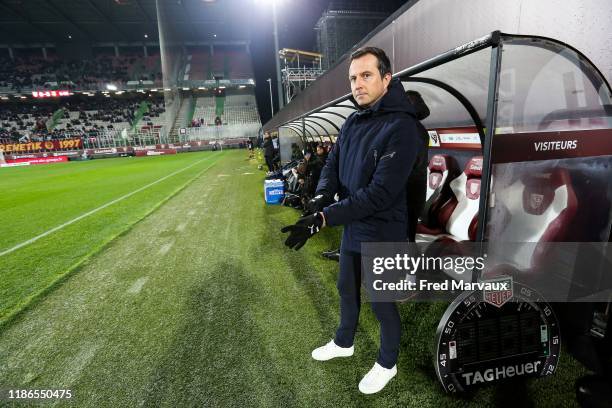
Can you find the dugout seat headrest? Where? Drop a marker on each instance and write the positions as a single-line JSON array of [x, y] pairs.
[[438, 165], [473, 167], [441, 169], [473, 171], [539, 190], [539, 208], [439, 162]]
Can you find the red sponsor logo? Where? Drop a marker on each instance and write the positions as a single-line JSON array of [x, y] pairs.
[[476, 165], [437, 161], [536, 201], [49, 94], [499, 297], [41, 160]]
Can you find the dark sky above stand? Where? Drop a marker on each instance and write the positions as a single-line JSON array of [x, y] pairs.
[[296, 21]]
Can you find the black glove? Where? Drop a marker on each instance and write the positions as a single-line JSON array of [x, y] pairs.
[[302, 230], [317, 204]]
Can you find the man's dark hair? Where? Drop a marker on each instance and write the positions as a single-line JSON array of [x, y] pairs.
[[384, 65]]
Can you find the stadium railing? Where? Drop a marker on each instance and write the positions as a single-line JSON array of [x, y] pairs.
[[220, 132]]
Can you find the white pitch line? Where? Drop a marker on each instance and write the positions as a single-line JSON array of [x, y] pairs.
[[95, 210], [165, 248], [137, 286], [74, 367]]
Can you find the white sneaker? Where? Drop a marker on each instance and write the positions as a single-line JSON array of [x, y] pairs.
[[331, 350], [376, 379]]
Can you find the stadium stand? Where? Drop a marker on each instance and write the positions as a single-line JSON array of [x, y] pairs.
[[199, 66], [92, 113], [181, 119], [24, 74], [240, 109], [223, 64], [233, 109], [78, 116], [205, 109], [239, 65]]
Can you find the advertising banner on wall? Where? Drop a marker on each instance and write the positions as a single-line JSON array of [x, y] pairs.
[[75, 143]]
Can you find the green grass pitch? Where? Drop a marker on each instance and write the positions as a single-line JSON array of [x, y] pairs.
[[183, 294]]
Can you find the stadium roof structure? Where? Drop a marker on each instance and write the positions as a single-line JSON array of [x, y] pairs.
[[29, 22], [443, 49]]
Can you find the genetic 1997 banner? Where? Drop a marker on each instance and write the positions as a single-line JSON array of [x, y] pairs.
[[63, 144]]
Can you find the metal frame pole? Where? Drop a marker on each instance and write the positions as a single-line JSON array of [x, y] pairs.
[[276, 59], [271, 102], [495, 68]]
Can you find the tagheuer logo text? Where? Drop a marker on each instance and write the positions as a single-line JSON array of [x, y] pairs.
[[499, 373]]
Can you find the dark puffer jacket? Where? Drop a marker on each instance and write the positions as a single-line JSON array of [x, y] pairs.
[[268, 147], [368, 167]]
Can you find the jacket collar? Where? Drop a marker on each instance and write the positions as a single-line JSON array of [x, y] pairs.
[[394, 100]]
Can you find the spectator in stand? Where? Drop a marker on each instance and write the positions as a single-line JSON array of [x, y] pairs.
[[35, 72], [16, 119]]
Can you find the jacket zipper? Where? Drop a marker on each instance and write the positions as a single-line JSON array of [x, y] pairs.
[[375, 156]]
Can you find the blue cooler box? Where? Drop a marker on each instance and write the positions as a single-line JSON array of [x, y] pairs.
[[274, 191]]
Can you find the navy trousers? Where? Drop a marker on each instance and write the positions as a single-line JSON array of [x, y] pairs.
[[270, 162], [349, 288]]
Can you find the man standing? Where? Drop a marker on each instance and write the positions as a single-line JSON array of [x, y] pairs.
[[416, 189], [268, 149], [368, 168], [321, 153], [250, 147], [314, 166]]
